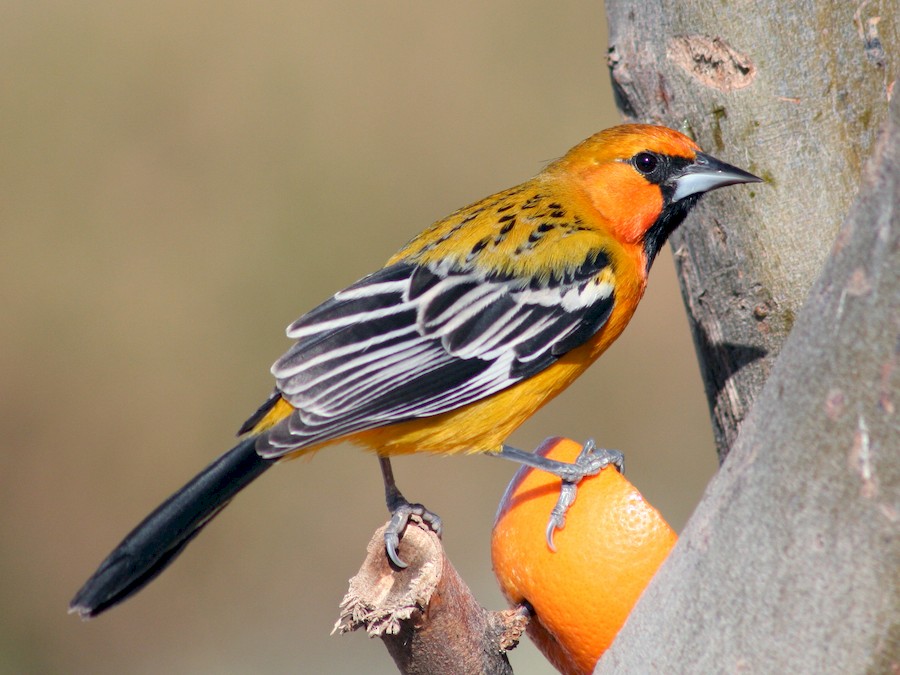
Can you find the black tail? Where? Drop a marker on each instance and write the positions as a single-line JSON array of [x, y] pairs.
[[156, 542]]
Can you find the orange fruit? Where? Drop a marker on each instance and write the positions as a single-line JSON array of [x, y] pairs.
[[611, 546]]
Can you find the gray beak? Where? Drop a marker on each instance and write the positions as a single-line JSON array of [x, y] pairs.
[[708, 173]]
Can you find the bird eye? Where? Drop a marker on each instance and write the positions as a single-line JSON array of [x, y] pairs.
[[645, 162]]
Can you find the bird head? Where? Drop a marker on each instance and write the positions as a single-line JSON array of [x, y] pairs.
[[643, 180]]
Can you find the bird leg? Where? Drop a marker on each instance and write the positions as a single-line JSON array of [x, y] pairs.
[[591, 460], [401, 511]]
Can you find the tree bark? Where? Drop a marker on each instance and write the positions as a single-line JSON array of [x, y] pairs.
[[791, 563], [425, 614], [794, 92]]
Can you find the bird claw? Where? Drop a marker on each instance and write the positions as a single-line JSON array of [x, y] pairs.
[[590, 461], [557, 519], [400, 517]]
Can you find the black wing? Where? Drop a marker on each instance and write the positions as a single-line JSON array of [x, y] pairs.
[[413, 341]]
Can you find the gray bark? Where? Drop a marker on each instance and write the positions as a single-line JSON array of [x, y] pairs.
[[791, 563], [795, 92]]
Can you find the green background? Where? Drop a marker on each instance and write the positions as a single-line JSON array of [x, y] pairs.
[[182, 179]]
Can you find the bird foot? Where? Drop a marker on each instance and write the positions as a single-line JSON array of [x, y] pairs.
[[590, 461], [401, 513]]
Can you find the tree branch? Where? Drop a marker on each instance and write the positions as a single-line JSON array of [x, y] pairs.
[[425, 614]]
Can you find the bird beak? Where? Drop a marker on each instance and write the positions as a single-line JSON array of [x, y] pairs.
[[708, 173]]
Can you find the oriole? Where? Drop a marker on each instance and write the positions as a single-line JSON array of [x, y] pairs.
[[470, 328]]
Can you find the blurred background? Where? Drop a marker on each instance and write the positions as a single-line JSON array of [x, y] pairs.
[[182, 179]]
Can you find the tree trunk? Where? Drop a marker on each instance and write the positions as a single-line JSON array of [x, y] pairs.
[[795, 92], [791, 562]]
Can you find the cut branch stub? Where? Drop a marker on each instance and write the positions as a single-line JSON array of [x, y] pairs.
[[425, 614]]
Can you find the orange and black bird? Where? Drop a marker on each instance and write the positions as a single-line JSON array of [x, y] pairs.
[[467, 331]]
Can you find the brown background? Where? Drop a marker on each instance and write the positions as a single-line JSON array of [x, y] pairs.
[[180, 180]]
